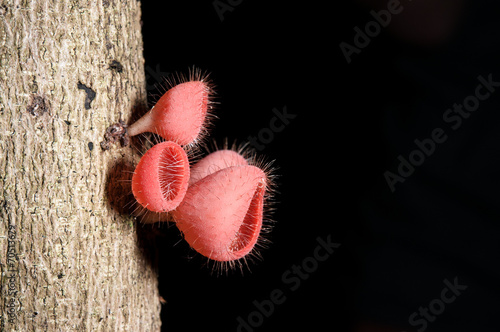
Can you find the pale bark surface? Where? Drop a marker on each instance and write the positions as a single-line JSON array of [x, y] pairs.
[[70, 258]]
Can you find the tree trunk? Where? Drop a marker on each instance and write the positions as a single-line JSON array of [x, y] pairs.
[[70, 257]]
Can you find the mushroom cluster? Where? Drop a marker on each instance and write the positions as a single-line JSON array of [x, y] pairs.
[[218, 203]]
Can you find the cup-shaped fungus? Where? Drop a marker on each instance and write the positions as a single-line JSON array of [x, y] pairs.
[[160, 180], [214, 162], [221, 214], [179, 115]]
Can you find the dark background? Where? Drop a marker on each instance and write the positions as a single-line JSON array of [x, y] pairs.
[[352, 121]]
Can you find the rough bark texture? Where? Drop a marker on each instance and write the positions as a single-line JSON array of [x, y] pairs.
[[70, 258]]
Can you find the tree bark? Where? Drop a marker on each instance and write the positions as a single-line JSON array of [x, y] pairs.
[[71, 259]]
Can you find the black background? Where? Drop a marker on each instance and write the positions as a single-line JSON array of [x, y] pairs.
[[331, 156]]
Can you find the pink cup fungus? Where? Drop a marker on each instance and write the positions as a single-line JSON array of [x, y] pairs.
[[179, 115], [160, 180], [222, 213], [214, 162], [221, 204]]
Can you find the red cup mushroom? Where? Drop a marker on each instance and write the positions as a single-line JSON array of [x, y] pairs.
[[221, 214], [179, 115], [160, 180]]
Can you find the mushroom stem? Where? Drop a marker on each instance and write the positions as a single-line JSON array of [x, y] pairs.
[[142, 125]]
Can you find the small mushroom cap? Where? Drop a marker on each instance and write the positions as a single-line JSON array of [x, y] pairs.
[[214, 162], [161, 177], [180, 113]]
